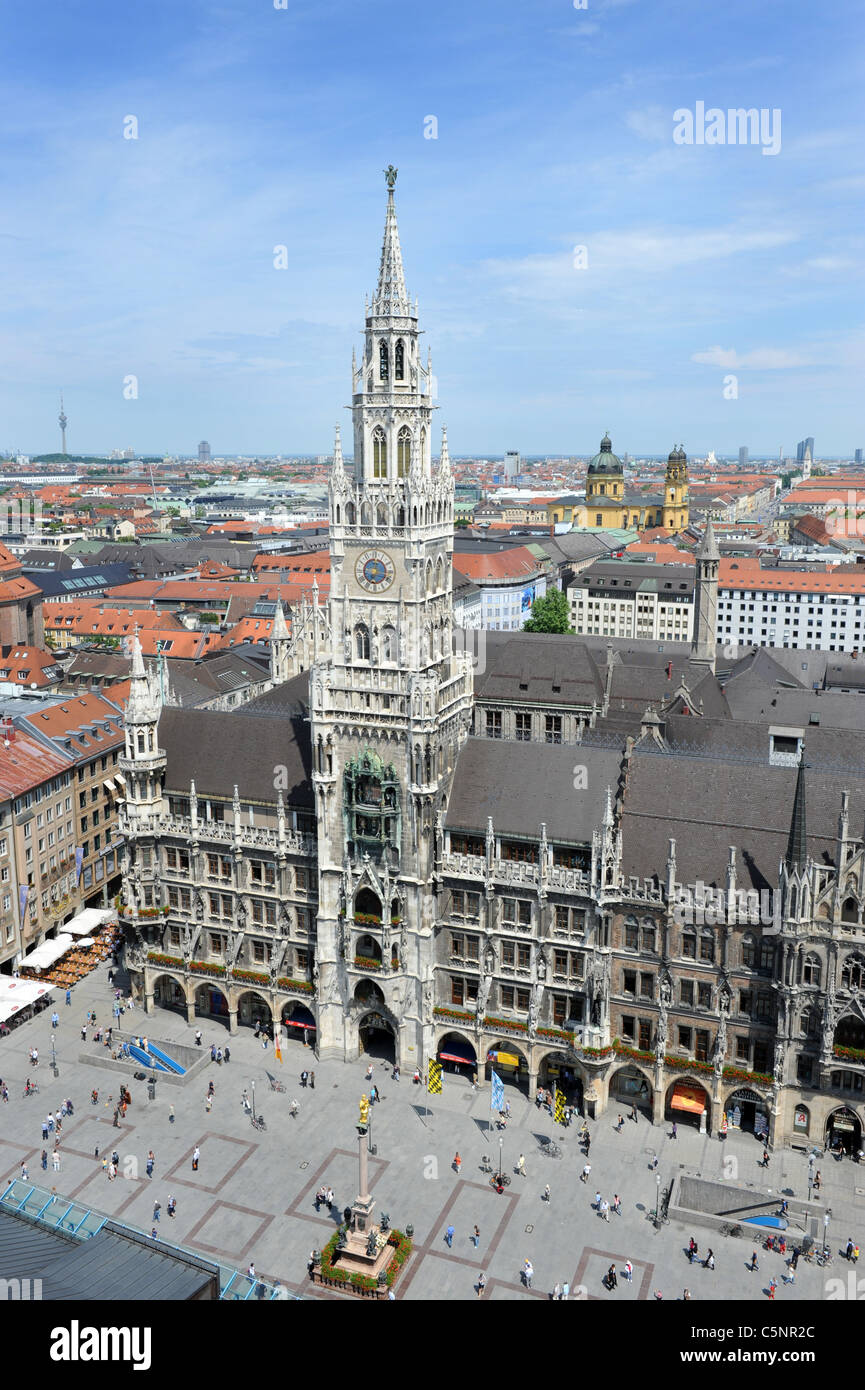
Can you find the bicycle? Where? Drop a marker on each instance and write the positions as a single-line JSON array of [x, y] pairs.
[[551, 1150], [277, 1086], [730, 1231], [33, 1090], [258, 1122]]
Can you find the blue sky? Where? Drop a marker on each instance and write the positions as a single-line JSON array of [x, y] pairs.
[[261, 127]]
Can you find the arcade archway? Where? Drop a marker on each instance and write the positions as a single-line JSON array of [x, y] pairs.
[[557, 1071], [844, 1128], [457, 1055], [298, 1024], [686, 1100], [630, 1086], [377, 1037], [252, 1009], [210, 1002], [169, 993], [509, 1064]]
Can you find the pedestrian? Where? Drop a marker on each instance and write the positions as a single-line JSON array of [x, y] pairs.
[[312, 1078], [584, 1176], [709, 1262], [208, 1103], [476, 1236], [772, 1287], [481, 1285], [116, 1118], [172, 1205], [157, 1207], [44, 1158], [597, 1202], [149, 1164], [329, 1198], [416, 1077], [818, 1179], [198, 1037], [369, 1073], [620, 1125], [458, 1163], [790, 1276], [171, 1114], [588, 1145], [617, 1204], [56, 1160], [674, 1132], [213, 1051], [556, 1293], [686, 1295], [566, 1290], [855, 1256], [692, 1249], [44, 1129], [227, 1054], [521, 1166], [848, 1251], [528, 1273], [304, 1076], [83, 1032], [449, 1236], [629, 1271], [655, 1161], [795, 1260], [784, 1206], [55, 1019], [154, 1234], [634, 1114], [546, 1196], [375, 1098], [244, 1101], [753, 1265], [196, 1154], [69, 996], [250, 1273], [605, 1210], [612, 1281]]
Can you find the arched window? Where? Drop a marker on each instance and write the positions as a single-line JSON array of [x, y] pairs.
[[388, 644], [399, 361], [350, 514], [383, 361], [361, 642], [853, 972], [849, 910], [632, 934], [400, 516], [379, 452], [141, 740], [403, 452], [381, 515], [337, 513], [438, 575], [707, 945], [810, 1024], [767, 955], [811, 972], [749, 951]]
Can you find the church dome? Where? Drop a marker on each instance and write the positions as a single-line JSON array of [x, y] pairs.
[[606, 461]]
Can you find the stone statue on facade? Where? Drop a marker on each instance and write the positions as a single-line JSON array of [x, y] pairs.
[[542, 967], [779, 1063], [484, 994], [721, 1044]]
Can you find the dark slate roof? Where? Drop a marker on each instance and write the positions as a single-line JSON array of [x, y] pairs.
[[522, 785], [538, 661], [709, 801], [221, 749], [78, 583], [115, 1263], [195, 682]]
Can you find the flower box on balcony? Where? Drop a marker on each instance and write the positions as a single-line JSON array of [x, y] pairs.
[[304, 985], [740, 1074], [595, 1051], [687, 1064], [254, 977], [157, 958], [366, 963], [367, 919], [458, 1015], [638, 1054], [512, 1025], [852, 1054], [203, 967], [556, 1033]]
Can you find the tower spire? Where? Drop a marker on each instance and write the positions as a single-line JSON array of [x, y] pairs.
[[63, 422], [797, 843], [391, 297]]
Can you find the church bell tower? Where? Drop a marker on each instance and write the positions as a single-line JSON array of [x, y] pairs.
[[390, 703]]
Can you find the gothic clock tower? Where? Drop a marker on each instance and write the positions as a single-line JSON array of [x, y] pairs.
[[390, 704]]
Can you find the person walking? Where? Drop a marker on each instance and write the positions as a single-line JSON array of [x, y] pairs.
[[597, 1202], [44, 1129], [674, 1132], [795, 1260], [612, 1281], [227, 1054], [556, 1293], [55, 1157], [312, 1079], [149, 1164], [584, 1176], [617, 1204], [476, 1236], [481, 1284], [692, 1249], [605, 1210], [208, 1103], [457, 1163], [198, 1037], [449, 1237], [765, 1158], [686, 1295], [157, 1207], [709, 1262], [818, 1180], [304, 1077], [44, 1158], [69, 996], [634, 1114], [753, 1266], [172, 1205], [171, 1114], [521, 1166], [369, 1072], [528, 1273], [546, 1193], [849, 1248], [566, 1291], [196, 1154], [655, 1162], [620, 1123], [772, 1287], [629, 1271]]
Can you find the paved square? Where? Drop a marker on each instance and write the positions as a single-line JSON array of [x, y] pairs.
[[253, 1195]]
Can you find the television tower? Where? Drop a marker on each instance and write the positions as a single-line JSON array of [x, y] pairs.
[[62, 421]]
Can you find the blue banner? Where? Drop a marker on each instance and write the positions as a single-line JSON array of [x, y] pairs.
[[23, 892], [497, 1096], [79, 860]]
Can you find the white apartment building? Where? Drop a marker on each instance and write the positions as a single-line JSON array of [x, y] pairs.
[[813, 610], [617, 599]]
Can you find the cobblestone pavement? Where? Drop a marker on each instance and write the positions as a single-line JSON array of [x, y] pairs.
[[252, 1197]]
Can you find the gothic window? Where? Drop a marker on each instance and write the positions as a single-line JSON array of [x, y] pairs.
[[811, 972], [853, 972], [361, 642], [381, 515], [379, 452], [337, 513], [848, 910], [350, 515], [438, 575], [403, 452], [388, 644], [767, 955], [400, 516], [749, 951], [399, 361], [383, 361], [422, 445], [707, 945]]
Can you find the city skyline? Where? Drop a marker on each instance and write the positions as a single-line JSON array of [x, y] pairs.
[[621, 285]]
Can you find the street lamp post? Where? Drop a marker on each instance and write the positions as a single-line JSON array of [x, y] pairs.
[[657, 1201], [826, 1217], [54, 1057], [253, 1100], [810, 1175], [501, 1158]]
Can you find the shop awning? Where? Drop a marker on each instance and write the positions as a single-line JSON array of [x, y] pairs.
[[504, 1059], [299, 1023], [47, 953], [88, 920], [15, 995], [690, 1098], [462, 1057]]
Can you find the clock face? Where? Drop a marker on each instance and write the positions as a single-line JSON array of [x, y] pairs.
[[374, 571]]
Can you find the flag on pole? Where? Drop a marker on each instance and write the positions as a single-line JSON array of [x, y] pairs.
[[497, 1092], [559, 1106], [276, 1046], [434, 1077]]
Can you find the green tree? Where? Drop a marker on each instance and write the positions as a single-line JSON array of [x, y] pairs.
[[550, 614]]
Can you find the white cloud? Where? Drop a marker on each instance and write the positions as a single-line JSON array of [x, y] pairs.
[[759, 359]]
